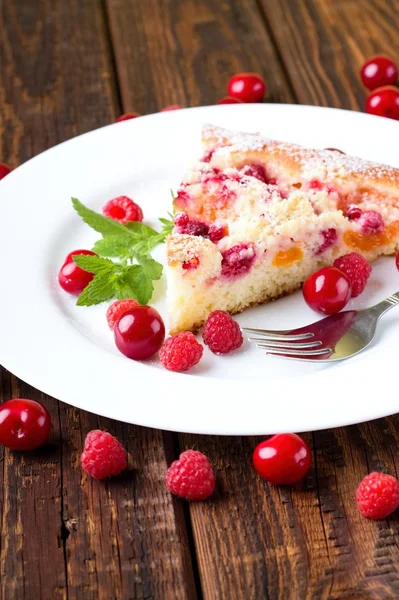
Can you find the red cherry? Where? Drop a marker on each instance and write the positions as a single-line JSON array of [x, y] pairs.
[[283, 459], [24, 424], [384, 102], [230, 100], [4, 170], [127, 117], [377, 71], [139, 332], [247, 87], [72, 278], [171, 107], [327, 291]]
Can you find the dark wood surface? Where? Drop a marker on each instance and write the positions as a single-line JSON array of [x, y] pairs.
[[69, 66]]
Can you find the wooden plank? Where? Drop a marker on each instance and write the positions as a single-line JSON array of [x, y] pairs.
[[63, 535], [183, 52], [324, 44]]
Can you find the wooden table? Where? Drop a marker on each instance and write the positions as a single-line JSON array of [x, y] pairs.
[[69, 66]]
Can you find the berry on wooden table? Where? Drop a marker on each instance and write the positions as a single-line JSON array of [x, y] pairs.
[[123, 209], [221, 333], [229, 100], [117, 309], [247, 87], [377, 495], [356, 268], [180, 352], [283, 459], [103, 455], [384, 102], [4, 170], [327, 290], [127, 117], [72, 278], [24, 424], [191, 476], [139, 332], [377, 71]]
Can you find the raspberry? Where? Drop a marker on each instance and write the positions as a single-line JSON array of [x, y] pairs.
[[181, 219], [192, 264], [237, 260], [377, 495], [191, 476], [217, 232], [353, 212], [221, 333], [103, 455], [184, 225], [123, 209], [257, 171], [117, 309], [371, 222], [180, 352], [356, 268], [329, 238]]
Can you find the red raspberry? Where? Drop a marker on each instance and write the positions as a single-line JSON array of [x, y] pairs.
[[117, 309], [377, 495], [356, 268], [191, 476], [180, 352], [103, 455], [123, 209], [217, 232], [371, 222], [353, 212], [254, 170], [329, 238], [4, 170], [238, 260], [221, 333]]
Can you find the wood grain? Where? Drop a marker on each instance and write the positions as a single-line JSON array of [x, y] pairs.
[[324, 44], [63, 535]]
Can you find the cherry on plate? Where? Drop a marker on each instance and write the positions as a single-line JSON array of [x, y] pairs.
[[384, 102], [229, 100], [139, 333], [24, 424], [4, 170], [127, 117], [247, 87], [72, 278], [377, 71], [283, 459], [327, 290]]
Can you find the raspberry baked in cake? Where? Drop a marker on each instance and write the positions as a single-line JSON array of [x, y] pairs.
[[255, 217]]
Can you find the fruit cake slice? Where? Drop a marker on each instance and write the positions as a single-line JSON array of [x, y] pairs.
[[255, 217]]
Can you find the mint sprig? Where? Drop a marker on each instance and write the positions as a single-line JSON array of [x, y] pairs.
[[131, 244]]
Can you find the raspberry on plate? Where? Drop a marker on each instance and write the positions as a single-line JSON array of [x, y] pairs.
[[191, 476], [103, 455], [377, 495], [221, 333], [123, 209], [117, 308], [180, 352], [356, 268]]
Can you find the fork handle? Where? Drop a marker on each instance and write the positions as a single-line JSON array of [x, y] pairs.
[[385, 305]]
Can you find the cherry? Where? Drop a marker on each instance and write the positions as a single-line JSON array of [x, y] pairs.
[[377, 71], [247, 87], [127, 117], [4, 170], [72, 278], [229, 100], [171, 107], [353, 212], [327, 291], [384, 102], [139, 332], [24, 424], [283, 459]]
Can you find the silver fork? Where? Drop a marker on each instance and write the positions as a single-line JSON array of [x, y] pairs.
[[334, 338]]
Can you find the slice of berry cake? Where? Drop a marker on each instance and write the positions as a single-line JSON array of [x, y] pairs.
[[255, 217]]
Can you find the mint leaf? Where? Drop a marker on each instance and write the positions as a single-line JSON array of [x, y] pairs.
[[140, 230], [98, 222], [132, 282], [98, 290], [151, 267], [93, 264], [114, 246]]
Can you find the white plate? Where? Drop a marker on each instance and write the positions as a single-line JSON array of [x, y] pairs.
[[68, 352]]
